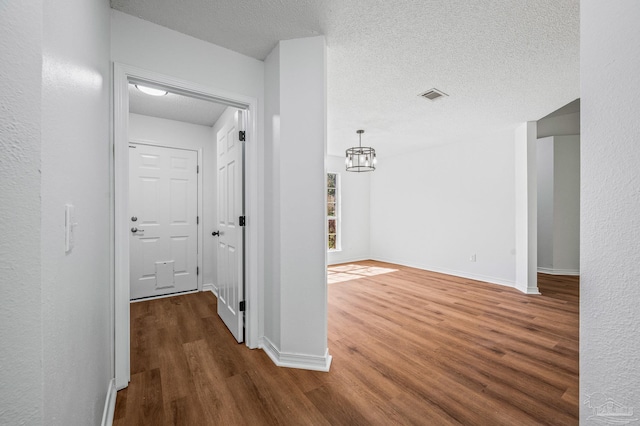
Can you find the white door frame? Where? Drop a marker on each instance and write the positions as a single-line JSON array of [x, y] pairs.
[[122, 76]]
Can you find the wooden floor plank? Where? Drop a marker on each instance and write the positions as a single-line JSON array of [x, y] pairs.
[[409, 347]]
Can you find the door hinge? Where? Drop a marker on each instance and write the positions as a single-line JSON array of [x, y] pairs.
[[197, 270], [242, 135], [197, 220], [197, 169], [242, 221], [242, 306]]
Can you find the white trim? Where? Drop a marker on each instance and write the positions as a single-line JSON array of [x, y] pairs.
[[526, 203], [122, 75], [476, 277], [301, 361], [210, 287], [121, 237], [109, 404], [200, 275], [552, 271], [349, 260]]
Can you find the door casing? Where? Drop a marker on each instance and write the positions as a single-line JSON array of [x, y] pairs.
[[122, 76]]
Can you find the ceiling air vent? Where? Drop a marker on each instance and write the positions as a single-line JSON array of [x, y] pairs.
[[433, 94]]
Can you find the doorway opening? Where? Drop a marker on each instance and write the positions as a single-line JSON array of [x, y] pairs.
[[558, 191], [162, 272]]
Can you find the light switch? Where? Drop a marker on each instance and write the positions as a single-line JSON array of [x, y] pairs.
[[69, 223]]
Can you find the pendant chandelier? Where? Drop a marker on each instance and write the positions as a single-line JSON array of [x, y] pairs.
[[361, 158]]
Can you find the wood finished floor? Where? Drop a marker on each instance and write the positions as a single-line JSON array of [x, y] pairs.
[[409, 347]]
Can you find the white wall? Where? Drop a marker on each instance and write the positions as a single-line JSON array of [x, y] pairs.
[[566, 206], [177, 134], [298, 144], [610, 203], [152, 47], [272, 206], [545, 203], [558, 168], [526, 208], [20, 213], [303, 279], [355, 189], [76, 288], [435, 208], [561, 125]]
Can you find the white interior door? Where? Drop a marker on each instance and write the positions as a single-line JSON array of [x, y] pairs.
[[231, 233], [163, 207]]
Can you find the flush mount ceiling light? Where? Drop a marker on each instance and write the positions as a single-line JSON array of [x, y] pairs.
[[150, 90], [361, 158]]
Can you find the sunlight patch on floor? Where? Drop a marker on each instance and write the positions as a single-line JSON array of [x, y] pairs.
[[342, 273]]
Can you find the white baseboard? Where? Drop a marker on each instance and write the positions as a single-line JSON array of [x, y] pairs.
[[304, 362], [210, 287], [476, 277], [349, 260], [528, 290], [109, 404], [552, 271]]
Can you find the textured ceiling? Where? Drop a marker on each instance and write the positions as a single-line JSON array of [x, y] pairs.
[[246, 26], [175, 107], [502, 62]]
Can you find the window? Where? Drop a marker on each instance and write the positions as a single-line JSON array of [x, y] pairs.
[[333, 211]]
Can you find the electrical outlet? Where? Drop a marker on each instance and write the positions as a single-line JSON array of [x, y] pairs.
[[472, 258]]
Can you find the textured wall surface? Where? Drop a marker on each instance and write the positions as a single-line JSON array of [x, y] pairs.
[[610, 207], [20, 292], [76, 297]]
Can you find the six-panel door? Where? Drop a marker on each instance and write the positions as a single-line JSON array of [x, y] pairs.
[[230, 241], [163, 206]]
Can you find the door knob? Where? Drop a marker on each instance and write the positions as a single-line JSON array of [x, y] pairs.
[[134, 229], [216, 233]]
